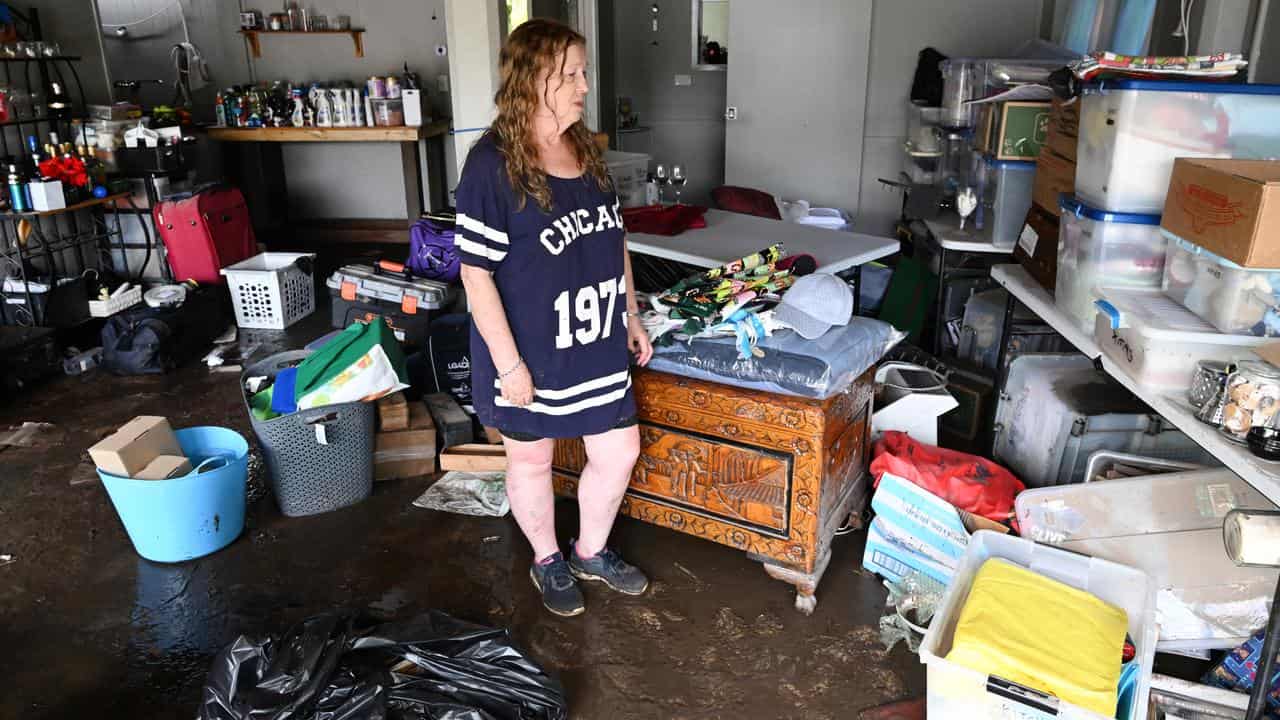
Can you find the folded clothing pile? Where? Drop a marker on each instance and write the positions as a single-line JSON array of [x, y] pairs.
[[362, 363]]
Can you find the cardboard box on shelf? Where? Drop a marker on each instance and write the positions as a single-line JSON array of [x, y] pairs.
[[165, 467], [132, 447], [1055, 175], [1063, 132], [1013, 130], [1228, 207], [1037, 247]]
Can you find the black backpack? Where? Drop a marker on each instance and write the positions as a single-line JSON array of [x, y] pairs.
[[152, 341]]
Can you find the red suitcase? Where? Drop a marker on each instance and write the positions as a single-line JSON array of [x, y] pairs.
[[205, 232]]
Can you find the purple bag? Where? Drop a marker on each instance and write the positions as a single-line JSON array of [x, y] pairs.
[[431, 251]]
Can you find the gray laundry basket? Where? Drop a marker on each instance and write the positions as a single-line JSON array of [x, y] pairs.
[[307, 476]]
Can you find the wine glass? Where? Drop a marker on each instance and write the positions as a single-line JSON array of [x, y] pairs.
[[660, 177], [678, 179]]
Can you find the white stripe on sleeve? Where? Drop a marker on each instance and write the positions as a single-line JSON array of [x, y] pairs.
[[483, 230], [468, 245]]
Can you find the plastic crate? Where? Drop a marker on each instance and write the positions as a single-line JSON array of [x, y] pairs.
[[1236, 300], [1131, 131], [111, 306], [272, 291], [315, 470], [1100, 249], [959, 692], [1158, 341]]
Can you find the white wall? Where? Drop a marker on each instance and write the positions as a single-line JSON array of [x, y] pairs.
[[687, 122], [899, 30]]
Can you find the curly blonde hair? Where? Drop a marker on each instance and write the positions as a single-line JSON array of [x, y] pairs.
[[531, 49]]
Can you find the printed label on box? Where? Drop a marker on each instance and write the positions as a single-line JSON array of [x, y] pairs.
[[1206, 208], [1028, 239]]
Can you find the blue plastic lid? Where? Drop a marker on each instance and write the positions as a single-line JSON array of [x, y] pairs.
[[1226, 88], [1072, 205], [1015, 164]]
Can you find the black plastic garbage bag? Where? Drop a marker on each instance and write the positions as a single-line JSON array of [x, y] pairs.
[[340, 667]]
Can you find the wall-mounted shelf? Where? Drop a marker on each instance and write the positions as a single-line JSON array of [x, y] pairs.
[[329, 134], [91, 202], [357, 37]]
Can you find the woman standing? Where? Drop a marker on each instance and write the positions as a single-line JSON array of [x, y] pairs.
[[554, 312]]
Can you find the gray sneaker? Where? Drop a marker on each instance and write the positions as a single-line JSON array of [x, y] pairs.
[[608, 567], [560, 593]]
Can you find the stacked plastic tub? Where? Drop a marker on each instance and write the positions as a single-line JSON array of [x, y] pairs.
[[1100, 249], [1201, 307]]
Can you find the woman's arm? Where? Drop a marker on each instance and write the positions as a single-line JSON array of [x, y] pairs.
[[637, 336], [490, 318]]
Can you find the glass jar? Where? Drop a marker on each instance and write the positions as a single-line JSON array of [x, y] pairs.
[[1253, 398], [962, 80]]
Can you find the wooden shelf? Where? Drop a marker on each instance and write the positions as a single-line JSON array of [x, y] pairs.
[[357, 38], [70, 208], [398, 134]]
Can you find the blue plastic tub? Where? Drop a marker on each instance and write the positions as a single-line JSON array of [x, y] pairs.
[[193, 515]]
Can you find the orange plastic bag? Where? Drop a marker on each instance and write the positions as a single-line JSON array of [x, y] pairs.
[[967, 481]]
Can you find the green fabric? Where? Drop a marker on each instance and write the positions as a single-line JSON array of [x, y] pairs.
[[260, 404], [909, 297], [344, 350]]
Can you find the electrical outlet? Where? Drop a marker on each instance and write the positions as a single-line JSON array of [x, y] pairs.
[[684, 80], [442, 83]]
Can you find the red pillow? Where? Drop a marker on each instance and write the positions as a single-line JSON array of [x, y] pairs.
[[746, 201]]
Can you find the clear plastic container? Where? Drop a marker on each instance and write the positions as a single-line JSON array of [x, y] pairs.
[[1099, 249], [1131, 131], [1006, 197], [1253, 398], [959, 692], [1158, 341], [962, 80], [630, 172], [1236, 300], [387, 112], [1169, 526]]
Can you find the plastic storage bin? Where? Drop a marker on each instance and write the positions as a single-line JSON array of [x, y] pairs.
[[1057, 410], [959, 692], [1169, 526], [1100, 249], [1158, 341], [1006, 198], [630, 172], [309, 476], [272, 291], [1236, 300], [190, 516], [1131, 131]]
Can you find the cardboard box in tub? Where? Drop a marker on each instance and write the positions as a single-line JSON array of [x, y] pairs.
[[917, 530], [135, 446], [1228, 207]]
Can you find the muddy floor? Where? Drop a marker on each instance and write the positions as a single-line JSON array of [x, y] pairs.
[[89, 629]]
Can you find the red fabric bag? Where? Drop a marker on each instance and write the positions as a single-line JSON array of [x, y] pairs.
[[967, 481]]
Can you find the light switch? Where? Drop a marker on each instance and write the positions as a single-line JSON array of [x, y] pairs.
[[684, 80], [442, 83]]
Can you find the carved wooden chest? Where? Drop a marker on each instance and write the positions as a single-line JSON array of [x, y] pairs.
[[772, 475]]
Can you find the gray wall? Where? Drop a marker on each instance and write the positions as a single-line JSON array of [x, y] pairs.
[[71, 24], [899, 30], [687, 122]]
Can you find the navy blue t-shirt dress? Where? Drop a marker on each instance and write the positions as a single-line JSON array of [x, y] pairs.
[[562, 282]]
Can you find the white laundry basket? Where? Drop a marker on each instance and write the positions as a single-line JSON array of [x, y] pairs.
[[273, 290]]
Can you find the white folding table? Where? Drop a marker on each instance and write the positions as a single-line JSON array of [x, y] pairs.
[[729, 236]]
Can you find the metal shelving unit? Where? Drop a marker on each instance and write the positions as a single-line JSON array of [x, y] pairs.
[[52, 246]]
